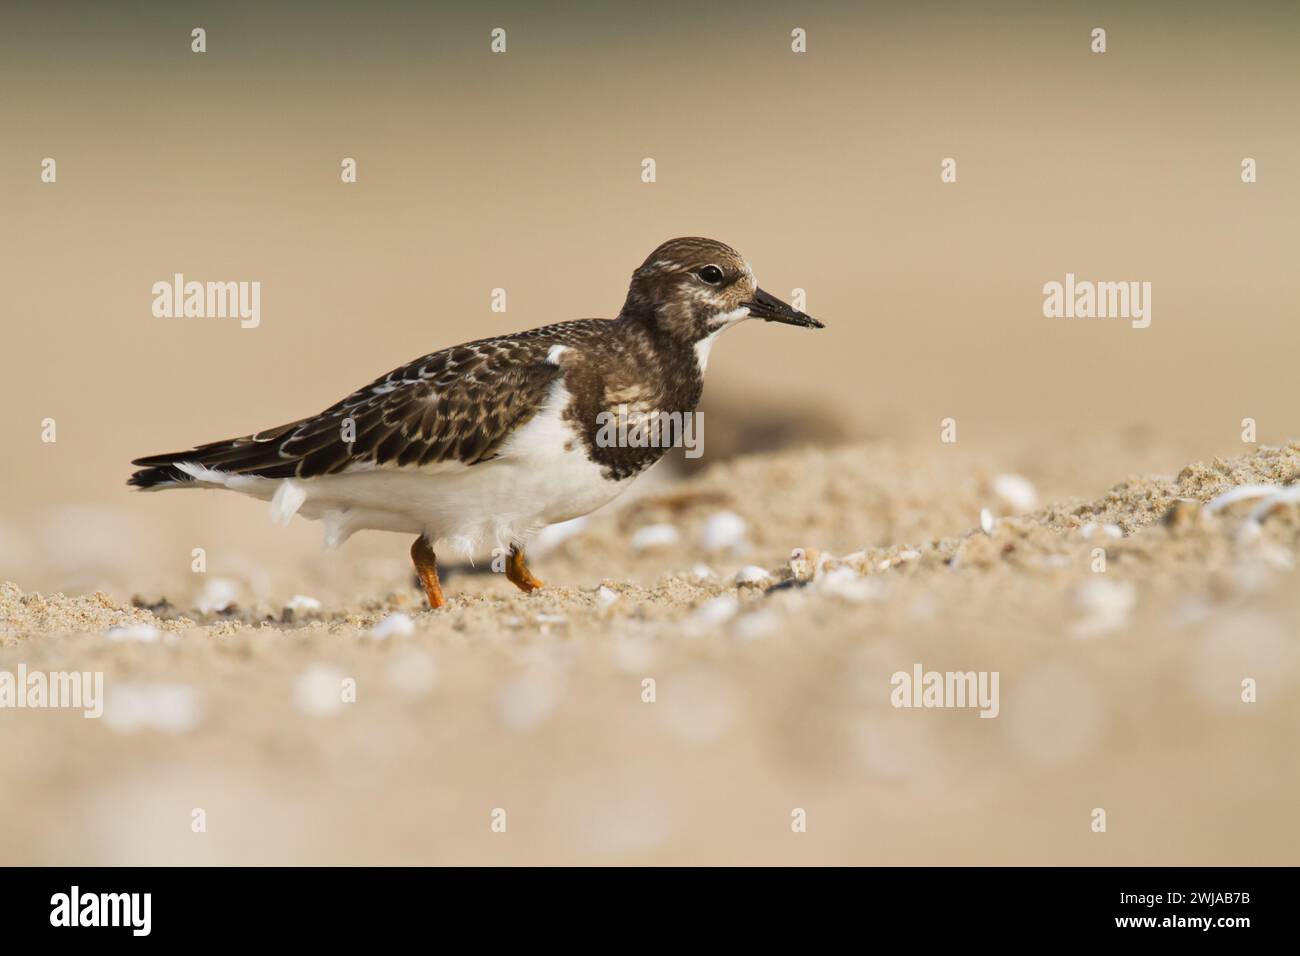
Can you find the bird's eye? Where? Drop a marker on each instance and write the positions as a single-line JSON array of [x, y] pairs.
[[711, 274]]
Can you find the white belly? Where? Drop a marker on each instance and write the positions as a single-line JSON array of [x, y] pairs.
[[541, 476]]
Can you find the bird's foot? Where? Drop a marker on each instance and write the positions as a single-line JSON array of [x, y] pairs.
[[426, 566], [518, 573]]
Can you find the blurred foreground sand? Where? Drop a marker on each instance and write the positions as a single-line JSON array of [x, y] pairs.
[[1119, 690]]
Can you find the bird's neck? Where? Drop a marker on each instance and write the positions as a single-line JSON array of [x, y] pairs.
[[669, 332]]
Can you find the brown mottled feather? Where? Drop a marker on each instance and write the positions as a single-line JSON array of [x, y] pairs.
[[459, 404]]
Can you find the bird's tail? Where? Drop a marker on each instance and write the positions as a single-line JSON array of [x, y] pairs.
[[160, 472], [255, 455]]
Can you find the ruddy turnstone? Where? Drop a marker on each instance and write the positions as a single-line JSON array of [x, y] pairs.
[[487, 442]]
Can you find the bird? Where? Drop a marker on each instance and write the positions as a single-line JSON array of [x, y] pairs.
[[487, 442]]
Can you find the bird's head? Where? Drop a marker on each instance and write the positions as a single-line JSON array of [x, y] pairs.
[[692, 288]]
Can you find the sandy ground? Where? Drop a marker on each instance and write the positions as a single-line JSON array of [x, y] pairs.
[[1120, 689]]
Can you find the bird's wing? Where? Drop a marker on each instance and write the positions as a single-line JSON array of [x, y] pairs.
[[459, 404]]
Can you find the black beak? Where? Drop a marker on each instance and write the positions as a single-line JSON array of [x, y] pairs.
[[772, 309]]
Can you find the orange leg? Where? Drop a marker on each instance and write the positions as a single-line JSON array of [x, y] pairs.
[[518, 572], [426, 566]]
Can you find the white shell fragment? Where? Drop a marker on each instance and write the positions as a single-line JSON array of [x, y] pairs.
[[1272, 495], [724, 531], [1240, 493], [752, 576], [144, 633], [1106, 606], [318, 692], [711, 613], [396, 624], [1016, 493], [805, 563], [1289, 494], [218, 595], [702, 572], [1109, 530], [655, 536], [845, 583]]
